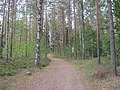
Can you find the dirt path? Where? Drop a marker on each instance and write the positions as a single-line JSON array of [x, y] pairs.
[[59, 75]]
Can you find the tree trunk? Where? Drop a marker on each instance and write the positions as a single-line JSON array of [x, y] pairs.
[[70, 29], [46, 33], [2, 30], [98, 28], [39, 32], [12, 30], [8, 29], [83, 31], [0, 39], [63, 29], [26, 38], [30, 28], [75, 43], [112, 40]]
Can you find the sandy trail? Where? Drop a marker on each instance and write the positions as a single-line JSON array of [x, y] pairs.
[[59, 75]]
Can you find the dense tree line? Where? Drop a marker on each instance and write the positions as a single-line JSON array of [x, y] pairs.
[[19, 26], [89, 29]]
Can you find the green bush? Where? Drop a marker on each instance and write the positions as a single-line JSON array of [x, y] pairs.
[[7, 70], [12, 67], [45, 62]]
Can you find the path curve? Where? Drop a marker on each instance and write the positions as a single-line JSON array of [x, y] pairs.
[[59, 75]]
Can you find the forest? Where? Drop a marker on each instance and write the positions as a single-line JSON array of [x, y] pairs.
[[37, 34]]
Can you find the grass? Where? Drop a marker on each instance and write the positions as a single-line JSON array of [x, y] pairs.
[[99, 76], [14, 72], [12, 68]]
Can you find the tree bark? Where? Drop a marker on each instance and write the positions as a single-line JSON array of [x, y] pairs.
[[98, 28], [112, 40], [83, 31], [39, 32], [63, 29], [0, 39], [70, 28], [75, 43], [2, 30], [12, 30], [26, 38], [46, 33], [8, 28]]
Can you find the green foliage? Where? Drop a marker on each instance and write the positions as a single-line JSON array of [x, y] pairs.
[[20, 47], [45, 62], [90, 40], [13, 67], [88, 66], [90, 69], [116, 4], [105, 44], [7, 70], [116, 9]]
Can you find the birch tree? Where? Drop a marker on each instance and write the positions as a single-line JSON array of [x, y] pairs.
[[2, 29], [39, 32]]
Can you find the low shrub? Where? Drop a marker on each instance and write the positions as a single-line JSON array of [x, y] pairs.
[[14, 66], [7, 70], [101, 72]]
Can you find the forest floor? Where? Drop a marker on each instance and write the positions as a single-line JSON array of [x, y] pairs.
[[59, 75], [65, 74], [99, 75]]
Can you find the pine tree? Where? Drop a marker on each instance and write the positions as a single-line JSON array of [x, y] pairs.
[[8, 29], [98, 28], [112, 40]]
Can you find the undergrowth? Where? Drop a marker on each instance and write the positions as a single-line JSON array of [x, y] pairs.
[[99, 75], [14, 66]]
